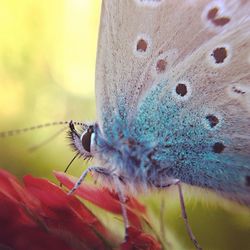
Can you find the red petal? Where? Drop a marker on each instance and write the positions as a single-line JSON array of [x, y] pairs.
[[105, 199], [10, 188], [42, 216], [11, 215], [14, 200], [62, 212], [24, 237], [18, 228], [139, 240]]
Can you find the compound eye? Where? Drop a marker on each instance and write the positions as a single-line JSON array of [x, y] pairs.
[[86, 138]]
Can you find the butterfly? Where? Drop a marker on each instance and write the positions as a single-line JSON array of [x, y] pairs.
[[173, 97]]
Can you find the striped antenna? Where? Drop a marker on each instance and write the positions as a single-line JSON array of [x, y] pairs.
[[15, 132]]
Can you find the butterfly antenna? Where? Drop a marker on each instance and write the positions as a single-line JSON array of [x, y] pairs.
[[66, 169], [15, 132]]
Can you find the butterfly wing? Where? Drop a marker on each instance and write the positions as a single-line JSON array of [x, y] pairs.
[[138, 39], [200, 116], [178, 73]]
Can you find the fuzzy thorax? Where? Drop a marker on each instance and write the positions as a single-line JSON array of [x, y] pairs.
[[131, 160]]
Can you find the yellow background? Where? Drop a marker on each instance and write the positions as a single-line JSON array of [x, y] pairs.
[[47, 68]]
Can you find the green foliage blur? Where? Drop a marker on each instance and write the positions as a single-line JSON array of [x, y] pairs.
[[47, 68], [47, 64]]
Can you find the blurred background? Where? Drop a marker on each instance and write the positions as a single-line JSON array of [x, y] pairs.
[[47, 70]]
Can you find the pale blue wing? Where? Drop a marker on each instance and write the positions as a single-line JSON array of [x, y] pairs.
[[138, 39], [176, 75], [198, 115]]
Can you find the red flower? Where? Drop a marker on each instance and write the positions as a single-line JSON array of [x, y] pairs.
[[138, 240], [41, 215], [105, 199]]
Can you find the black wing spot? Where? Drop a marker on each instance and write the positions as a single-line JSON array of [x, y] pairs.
[[238, 91], [247, 180], [218, 147], [219, 55], [161, 66], [181, 89], [212, 15], [142, 45], [213, 120]]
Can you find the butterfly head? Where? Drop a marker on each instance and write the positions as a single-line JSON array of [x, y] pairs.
[[120, 152], [82, 141]]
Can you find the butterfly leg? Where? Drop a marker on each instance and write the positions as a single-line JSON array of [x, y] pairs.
[[119, 191], [184, 216], [122, 199], [83, 176]]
